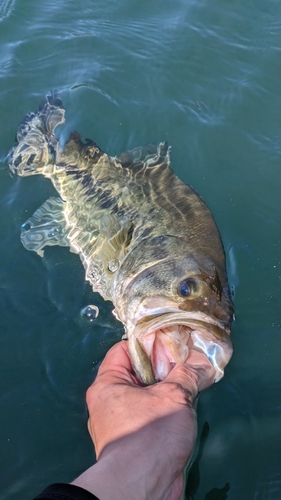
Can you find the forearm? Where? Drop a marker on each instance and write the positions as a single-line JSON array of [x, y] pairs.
[[99, 480], [140, 465], [113, 477]]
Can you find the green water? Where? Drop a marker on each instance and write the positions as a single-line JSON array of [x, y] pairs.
[[205, 76]]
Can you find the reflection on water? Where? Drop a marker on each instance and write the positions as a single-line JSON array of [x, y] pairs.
[[206, 78]]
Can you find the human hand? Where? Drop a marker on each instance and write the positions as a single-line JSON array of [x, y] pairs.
[[143, 436]]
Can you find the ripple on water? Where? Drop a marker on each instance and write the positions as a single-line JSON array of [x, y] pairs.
[[6, 8], [97, 89], [269, 489]]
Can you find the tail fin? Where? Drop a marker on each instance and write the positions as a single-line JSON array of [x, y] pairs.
[[36, 145]]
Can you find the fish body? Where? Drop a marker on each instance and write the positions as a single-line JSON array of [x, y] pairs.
[[147, 241]]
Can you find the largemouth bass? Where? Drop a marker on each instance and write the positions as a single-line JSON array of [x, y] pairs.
[[147, 241]]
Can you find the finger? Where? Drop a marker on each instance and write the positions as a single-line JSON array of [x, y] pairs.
[[117, 365]]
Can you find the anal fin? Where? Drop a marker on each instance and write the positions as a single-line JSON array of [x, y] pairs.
[[47, 226]]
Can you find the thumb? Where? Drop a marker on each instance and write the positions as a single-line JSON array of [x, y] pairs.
[[203, 368], [194, 375]]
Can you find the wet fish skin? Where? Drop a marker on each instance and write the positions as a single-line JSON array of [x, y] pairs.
[[143, 237]]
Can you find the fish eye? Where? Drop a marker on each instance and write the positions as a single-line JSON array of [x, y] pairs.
[[187, 287]]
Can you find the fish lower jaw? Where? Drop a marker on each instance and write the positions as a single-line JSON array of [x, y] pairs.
[[175, 344]]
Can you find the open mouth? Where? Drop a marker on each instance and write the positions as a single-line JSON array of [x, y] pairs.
[[169, 338]]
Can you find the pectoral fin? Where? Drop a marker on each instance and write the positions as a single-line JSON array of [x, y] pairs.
[[113, 240], [47, 226]]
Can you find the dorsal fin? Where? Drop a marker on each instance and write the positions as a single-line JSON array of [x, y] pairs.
[[75, 149], [148, 156]]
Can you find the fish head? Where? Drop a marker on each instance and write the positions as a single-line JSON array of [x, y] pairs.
[[174, 301]]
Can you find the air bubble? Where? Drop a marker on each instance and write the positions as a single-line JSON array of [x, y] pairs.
[[26, 226], [89, 313]]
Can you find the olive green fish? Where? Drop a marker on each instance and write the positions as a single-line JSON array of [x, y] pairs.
[[146, 240]]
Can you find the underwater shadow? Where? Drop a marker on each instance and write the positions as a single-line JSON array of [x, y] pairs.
[[193, 476]]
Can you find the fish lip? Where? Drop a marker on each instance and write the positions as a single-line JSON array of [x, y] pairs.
[[208, 335], [150, 323]]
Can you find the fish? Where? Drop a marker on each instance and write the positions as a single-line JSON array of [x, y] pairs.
[[148, 242]]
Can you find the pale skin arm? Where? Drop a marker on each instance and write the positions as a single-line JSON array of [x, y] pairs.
[[143, 436]]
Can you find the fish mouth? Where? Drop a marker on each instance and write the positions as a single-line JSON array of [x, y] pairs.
[[161, 341]]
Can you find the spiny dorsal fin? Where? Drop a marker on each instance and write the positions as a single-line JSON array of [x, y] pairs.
[[76, 149], [150, 155]]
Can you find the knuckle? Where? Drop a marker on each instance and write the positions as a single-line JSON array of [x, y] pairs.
[[91, 394]]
